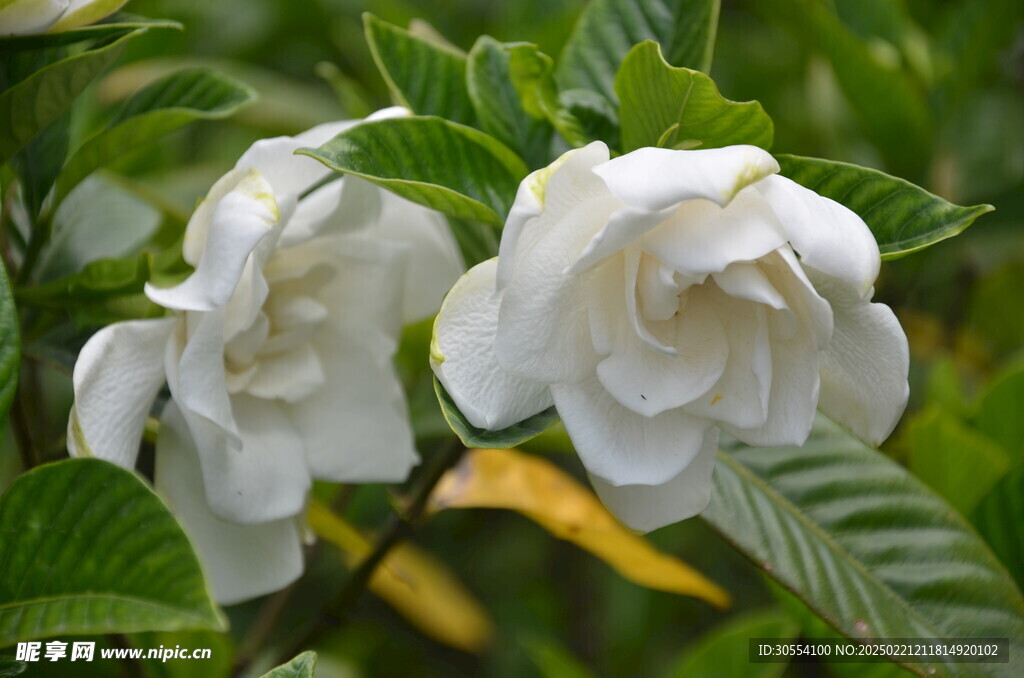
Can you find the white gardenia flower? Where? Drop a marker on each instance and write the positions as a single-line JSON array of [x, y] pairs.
[[24, 17], [665, 295], [278, 356]]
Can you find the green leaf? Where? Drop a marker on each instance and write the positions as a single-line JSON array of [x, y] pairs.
[[552, 659], [426, 76], [724, 650], [218, 665], [958, 462], [903, 217], [608, 29], [10, 349], [36, 102], [532, 74], [452, 168], [39, 162], [114, 24], [477, 241], [9, 666], [498, 106], [999, 411], [661, 105], [161, 107], [88, 548], [864, 544], [472, 436], [892, 107], [300, 667], [998, 518]]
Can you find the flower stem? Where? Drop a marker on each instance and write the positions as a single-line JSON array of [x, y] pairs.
[[399, 527]]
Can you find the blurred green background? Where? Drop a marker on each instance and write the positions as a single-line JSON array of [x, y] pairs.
[[954, 124]]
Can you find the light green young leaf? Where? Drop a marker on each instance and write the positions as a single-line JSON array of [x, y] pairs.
[[161, 107], [33, 104], [117, 561], [867, 546], [498, 106], [300, 667], [427, 77], [661, 105], [452, 168], [903, 217], [959, 462], [532, 74], [723, 650], [608, 29], [10, 348], [472, 436]]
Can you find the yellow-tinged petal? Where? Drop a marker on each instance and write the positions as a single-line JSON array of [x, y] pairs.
[[542, 492], [415, 584]]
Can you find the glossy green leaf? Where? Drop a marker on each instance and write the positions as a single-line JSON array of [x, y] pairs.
[[472, 436], [661, 105], [427, 77], [10, 348], [498, 105], [959, 462], [161, 107], [88, 548], [864, 544], [113, 24], [452, 168], [999, 516], [724, 650], [892, 107], [903, 217], [300, 667], [33, 104], [608, 29]]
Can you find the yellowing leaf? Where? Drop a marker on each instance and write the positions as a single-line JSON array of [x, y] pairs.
[[542, 492], [415, 584]]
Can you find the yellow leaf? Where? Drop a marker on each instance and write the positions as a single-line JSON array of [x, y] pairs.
[[415, 584], [542, 492]]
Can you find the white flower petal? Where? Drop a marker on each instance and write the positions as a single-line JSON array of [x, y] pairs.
[[550, 193], [462, 356], [118, 374], [240, 561], [746, 280], [793, 399], [828, 237], [648, 507], [864, 368], [701, 237], [288, 173], [289, 375], [657, 289], [266, 477], [650, 382], [239, 221], [85, 12], [653, 179], [543, 331], [621, 446], [196, 372], [434, 262], [26, 17], [355, 428]]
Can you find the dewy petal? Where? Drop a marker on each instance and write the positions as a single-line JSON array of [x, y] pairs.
[[355, 428], [650, 382], [550, 193], [621, 446], [240, 561], [117, 376], [648, 507], [828, 236], [654, 179], [462, 356], [543, 331], [701, 237], [240, 220], [864, 368], [434, 262], [266, 478]]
